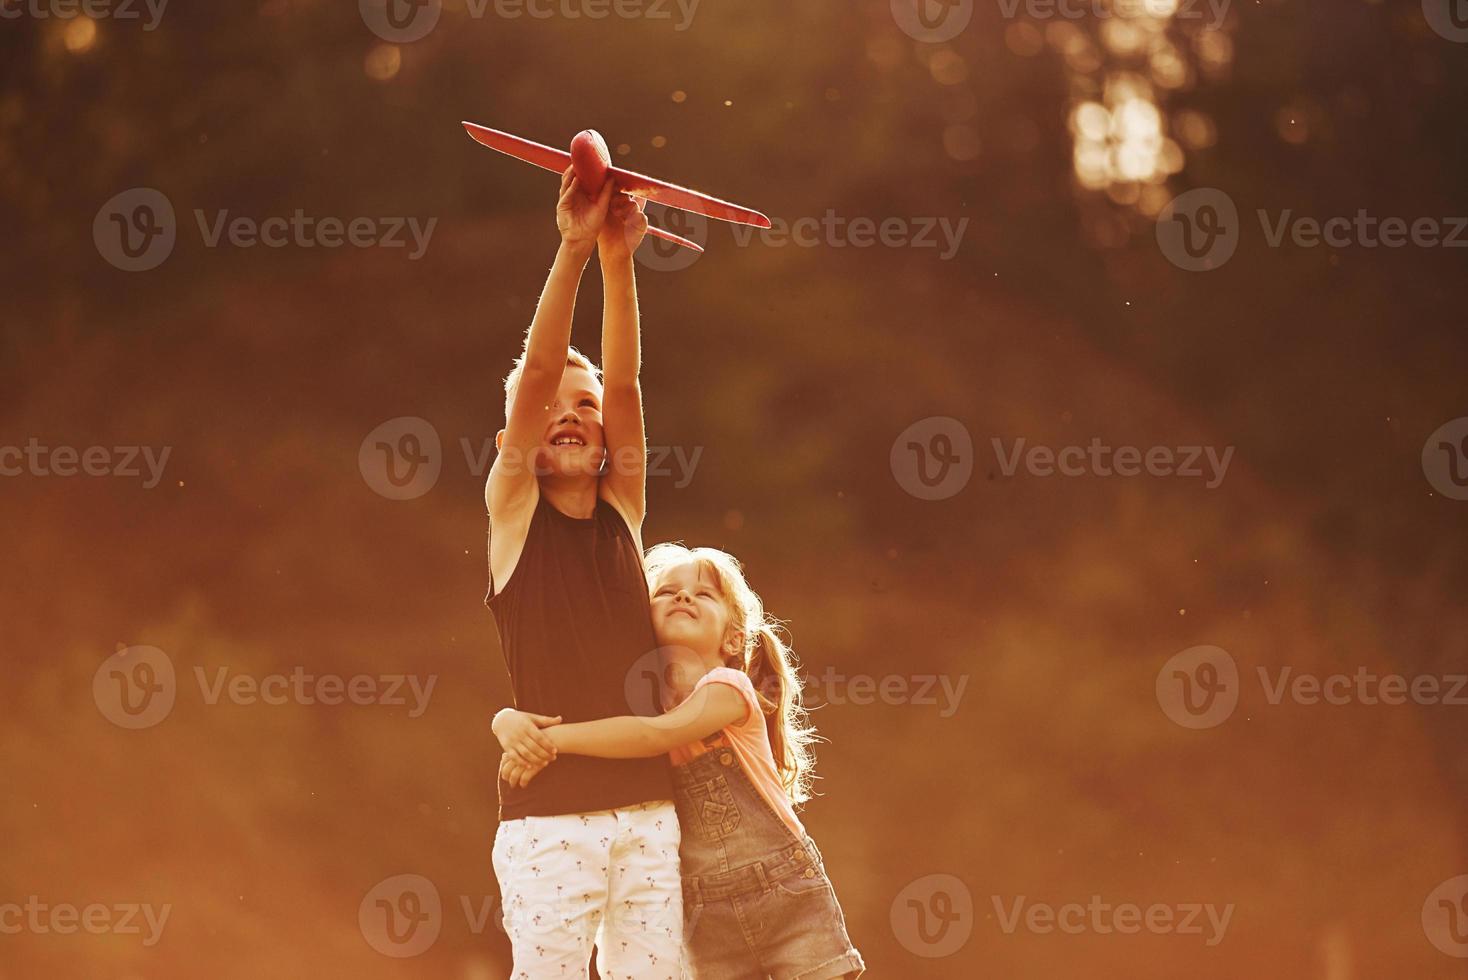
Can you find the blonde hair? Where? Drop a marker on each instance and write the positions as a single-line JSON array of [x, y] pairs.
[[765, 657], [574, 358]]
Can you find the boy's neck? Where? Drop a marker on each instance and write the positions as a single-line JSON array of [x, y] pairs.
[[574, 496]]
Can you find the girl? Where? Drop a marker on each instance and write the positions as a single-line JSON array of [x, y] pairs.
[[756, 899]]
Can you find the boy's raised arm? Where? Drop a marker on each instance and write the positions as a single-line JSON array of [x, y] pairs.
[[622, 423], [512, 478]]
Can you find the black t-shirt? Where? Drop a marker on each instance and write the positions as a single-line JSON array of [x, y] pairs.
[[574, 623]]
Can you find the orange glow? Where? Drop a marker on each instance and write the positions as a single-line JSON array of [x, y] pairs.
[[80, 34], [383, 62]]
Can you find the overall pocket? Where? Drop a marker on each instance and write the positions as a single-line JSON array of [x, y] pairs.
[[707, 806]]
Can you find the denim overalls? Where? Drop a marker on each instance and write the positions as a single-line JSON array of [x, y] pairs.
[[756, 900]]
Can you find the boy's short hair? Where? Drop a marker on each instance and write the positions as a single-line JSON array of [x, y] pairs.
[[574, 358]]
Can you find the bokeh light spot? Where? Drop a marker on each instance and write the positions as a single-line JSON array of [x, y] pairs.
[[80, 35], [383, 62]]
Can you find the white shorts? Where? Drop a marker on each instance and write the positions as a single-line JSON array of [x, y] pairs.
[[609, 877]]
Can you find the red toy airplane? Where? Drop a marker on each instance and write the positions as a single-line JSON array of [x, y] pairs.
[[593, 164]]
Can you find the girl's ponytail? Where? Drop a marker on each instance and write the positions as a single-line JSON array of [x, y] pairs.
[[771, 667]]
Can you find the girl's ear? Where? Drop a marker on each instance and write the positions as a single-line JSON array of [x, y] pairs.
[[733, 649]]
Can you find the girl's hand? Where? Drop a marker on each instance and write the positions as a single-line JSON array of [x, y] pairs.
[[516, 774], [626, 225], [521, 738], [580, 216]]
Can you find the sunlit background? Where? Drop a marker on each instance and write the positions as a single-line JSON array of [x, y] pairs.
[[1055, 143]]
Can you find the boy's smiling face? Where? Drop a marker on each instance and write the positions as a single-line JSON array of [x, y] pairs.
[[573, 443]]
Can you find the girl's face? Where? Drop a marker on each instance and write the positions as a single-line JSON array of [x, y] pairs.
[[688, 610]]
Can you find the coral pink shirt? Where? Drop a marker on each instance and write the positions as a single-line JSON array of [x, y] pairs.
[[750, 741]]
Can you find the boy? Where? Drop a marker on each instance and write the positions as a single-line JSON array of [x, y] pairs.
[[589, 851]]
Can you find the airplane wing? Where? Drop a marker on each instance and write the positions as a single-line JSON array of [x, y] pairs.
[[521, 149], [673, 196], [668, 236], [638, 185]]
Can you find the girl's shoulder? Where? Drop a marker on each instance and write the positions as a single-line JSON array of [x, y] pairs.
[[727, 675], [736, 679]]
